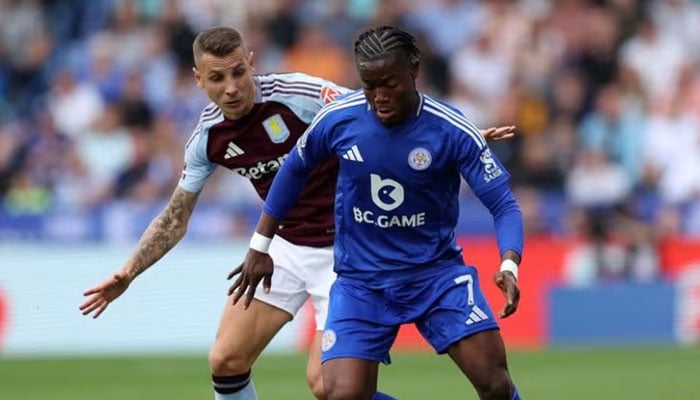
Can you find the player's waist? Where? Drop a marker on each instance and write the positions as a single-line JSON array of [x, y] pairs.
[[384, 274], [304, 235]]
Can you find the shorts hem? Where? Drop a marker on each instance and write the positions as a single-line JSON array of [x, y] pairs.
[[359, 356], [489, 327], [269, 302]]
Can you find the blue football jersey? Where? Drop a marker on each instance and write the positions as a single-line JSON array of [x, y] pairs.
[[397, 196]]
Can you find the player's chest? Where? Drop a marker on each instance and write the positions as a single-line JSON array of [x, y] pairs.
[[415, 157], [257, 146]]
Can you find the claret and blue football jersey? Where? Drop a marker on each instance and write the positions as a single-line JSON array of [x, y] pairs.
[[397, 196]]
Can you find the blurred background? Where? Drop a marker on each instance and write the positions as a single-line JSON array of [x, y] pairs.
[[97, 100]]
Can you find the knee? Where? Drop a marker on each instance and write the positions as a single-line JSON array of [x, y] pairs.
[[314, 378], [496, 387], [227, 361]]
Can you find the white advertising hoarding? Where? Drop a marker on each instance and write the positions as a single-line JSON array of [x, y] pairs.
[[174, 307]]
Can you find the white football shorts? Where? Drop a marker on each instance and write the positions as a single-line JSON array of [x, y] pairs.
[[301, 272]]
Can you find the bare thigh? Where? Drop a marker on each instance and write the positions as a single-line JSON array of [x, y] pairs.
[[243, 334], [350, 378], [314, 374], [482, 358]]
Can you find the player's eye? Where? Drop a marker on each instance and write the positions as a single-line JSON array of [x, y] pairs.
[[216, 78], [239, 72]]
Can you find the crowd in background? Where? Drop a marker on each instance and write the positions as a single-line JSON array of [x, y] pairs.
[[97, 100]]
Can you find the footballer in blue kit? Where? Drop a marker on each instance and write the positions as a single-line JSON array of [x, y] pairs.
[[402, 157]]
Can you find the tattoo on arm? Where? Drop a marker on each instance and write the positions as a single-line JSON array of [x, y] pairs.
[[164, 232]]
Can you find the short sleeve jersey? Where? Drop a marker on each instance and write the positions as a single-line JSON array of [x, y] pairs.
[[397, 199], [256, 145]]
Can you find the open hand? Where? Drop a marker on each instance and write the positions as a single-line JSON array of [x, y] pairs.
[[500, 133], [506, 281], [104, 293], [257, 266]]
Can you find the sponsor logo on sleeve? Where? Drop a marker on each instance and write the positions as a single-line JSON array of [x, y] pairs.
[[329, 94], [491, 169]]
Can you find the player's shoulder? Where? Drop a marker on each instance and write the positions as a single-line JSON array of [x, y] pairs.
[[345, 107], [211, 115], [298, 86], [450, 120]]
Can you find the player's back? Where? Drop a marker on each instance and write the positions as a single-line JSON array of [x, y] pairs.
[[256, 145], [397, 201]]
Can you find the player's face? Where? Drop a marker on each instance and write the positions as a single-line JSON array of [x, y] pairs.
[[228, 81], [390, 87]]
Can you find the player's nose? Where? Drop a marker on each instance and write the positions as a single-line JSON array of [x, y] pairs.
[[381, 96], [231, 87]]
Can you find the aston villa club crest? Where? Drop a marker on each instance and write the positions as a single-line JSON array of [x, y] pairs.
[[419, 159], [276, 129]]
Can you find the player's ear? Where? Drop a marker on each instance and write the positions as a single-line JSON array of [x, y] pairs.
[[197, 77], [251, 59], [415, 67]]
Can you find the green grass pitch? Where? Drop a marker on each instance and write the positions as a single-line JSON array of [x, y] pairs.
[[586, 374]]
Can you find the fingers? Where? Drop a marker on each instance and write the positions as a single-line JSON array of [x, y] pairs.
[[112, 281], [100, 310], [246, 287], [253, 284], [87, 304], [512, 304], [508, 285], [238, 289], [235, 272], [98, 288], [504, 136], [235, 286], [267, 283], [92, 291], [250, 296], [96, 303], [504, 132]]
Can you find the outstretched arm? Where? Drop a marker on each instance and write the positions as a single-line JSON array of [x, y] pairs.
[[164, 232]]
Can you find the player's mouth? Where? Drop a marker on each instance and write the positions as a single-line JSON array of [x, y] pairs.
[[385, 113]]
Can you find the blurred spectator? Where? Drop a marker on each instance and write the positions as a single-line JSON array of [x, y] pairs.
[[614, 130], [68, 95], [97, 99], [315, 54], [655, 58], [448, 24]]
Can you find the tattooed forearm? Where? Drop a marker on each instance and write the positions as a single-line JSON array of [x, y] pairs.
[[164, 232]]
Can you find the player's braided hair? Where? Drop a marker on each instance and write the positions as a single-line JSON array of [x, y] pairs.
[[379, 42]]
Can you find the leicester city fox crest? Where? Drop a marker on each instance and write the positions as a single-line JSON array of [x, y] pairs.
[[328, 340], [276, 129], [419, 159]]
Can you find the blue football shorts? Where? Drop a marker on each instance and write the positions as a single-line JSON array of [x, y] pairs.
[[363, 322]]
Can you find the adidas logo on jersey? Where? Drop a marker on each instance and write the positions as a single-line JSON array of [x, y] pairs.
[[233, 151], [353, 154], [477, 315]]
